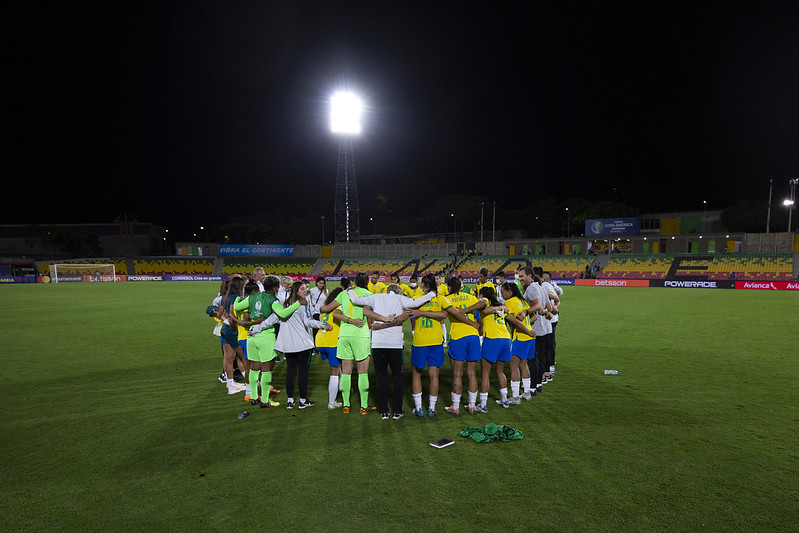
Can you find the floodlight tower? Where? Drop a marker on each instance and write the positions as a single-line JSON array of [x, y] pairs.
[[345, 121]]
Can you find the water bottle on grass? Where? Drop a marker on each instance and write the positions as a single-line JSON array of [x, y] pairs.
[[611, 372]]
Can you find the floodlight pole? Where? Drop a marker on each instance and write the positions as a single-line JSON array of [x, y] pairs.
[[768, 216], [792, 205], [347, 214]]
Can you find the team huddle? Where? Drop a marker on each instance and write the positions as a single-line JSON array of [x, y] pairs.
[[491, 327]]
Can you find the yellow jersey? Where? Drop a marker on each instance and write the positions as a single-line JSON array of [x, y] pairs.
[[377, 288], [427, 331], [328, 339], [494, 326], [515, 306], [462, 300], [478, 286]]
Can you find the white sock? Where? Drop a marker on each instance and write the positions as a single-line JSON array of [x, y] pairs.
[[231, 383], [433, 402], [289, 400], [332, 389], [483, 399], [514, 388], [456, 400], [472, 398], [417, 400], [504, 394], [526, 384]]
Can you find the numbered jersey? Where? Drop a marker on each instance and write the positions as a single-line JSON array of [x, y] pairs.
[[462, 300], [427, 331], [494, 326], [515, 306]]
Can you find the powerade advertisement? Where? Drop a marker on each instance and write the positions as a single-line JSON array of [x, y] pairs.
[[257, 250], [612, 227]]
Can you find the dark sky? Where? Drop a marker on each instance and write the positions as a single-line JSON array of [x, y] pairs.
[[162, 109]]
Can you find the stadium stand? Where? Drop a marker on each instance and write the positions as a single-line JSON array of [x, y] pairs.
[[154, 266], [776, 266], [561, 266], [293, 266], [404, 266]]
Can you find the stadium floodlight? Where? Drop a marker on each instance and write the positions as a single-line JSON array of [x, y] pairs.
[[345, 121], [346, 110]]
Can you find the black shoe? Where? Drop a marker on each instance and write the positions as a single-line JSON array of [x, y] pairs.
[[306, 403], [222, 378], [255, 401], [384, 415], [398, 415]]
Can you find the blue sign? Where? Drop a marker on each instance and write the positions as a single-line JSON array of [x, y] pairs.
[[612, 227], [257, 250]]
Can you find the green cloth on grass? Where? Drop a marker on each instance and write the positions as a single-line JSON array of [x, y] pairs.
[[492, 432]]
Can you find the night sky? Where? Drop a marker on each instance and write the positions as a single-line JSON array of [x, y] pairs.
[[182, 114]]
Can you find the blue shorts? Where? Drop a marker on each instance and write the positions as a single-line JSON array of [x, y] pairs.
[[523, 349], [329, 354], [465, 348], [230, 336], [496, 350], [422, 356], [243, 344]]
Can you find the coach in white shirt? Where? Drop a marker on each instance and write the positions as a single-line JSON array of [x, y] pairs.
[[388, 342]]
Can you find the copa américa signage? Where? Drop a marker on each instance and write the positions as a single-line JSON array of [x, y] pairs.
[[257, 250], [612, 227]]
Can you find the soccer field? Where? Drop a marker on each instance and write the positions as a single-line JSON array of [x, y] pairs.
[[113, 419]]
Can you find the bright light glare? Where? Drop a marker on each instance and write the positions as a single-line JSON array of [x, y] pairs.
[[788, 202], [345, 114]]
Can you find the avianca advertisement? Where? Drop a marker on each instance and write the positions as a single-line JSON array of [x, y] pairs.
[[768, 285]]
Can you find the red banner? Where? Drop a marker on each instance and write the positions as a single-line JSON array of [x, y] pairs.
[[768, 285], [612, 282]]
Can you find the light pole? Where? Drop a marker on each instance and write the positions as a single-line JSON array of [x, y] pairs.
[[704, 208], [790, 203], [568, 222], [345, 120], [454, 225], [323, 229], [768, 215]]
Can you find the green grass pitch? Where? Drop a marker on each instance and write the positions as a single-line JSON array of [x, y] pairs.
[[113, 419]]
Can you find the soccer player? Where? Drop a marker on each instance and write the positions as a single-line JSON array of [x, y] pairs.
[[482, 281], [353, 341], [522, 344], [376, 286], [495, 350], [295, 341], [464, 346], [326, 342], [261, 345], [428, 346], [388, 344], [231, 348], [242, 315]]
